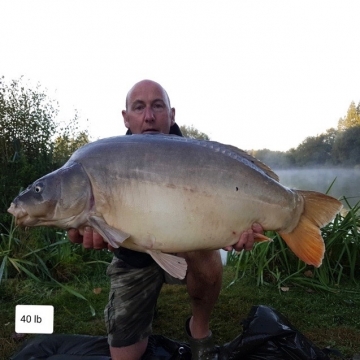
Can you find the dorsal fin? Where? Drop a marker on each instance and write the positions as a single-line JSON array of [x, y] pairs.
[[254, 161]]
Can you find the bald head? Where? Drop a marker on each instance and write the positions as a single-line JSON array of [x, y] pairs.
[[146, 84], [148, 109]]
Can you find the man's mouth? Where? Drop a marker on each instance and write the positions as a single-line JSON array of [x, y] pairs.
[[150, 131]]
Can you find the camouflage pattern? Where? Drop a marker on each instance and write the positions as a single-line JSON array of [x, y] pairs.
[[132, 300]]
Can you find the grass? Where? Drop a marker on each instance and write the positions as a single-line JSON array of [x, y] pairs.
[[273, 262], [327, 319], [46, 256]]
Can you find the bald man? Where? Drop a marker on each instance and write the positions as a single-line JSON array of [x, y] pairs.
[[136, 280]]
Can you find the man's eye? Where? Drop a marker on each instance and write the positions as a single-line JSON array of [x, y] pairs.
[[158, 106], [138, 108]]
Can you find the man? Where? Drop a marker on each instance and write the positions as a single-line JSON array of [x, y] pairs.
[[135, 279]]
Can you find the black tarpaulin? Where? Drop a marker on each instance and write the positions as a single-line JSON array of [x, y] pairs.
[[266, 335]]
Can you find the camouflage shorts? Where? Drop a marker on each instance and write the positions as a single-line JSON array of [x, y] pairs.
[[132, 300]]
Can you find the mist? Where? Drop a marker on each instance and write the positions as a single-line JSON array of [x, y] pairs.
[[347, 181]]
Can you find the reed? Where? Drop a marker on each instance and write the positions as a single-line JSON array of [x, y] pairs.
[[46, 256], [274, 263]]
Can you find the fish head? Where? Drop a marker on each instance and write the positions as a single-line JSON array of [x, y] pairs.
[[59, 199]]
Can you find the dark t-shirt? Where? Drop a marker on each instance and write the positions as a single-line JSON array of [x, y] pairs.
[[135, 258]]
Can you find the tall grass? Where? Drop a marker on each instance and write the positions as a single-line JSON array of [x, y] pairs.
[[47, 256], [274, 263]]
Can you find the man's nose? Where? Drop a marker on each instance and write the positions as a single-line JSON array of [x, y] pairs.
[[149, 114]]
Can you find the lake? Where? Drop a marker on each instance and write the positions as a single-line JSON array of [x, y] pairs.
[[347, 181]]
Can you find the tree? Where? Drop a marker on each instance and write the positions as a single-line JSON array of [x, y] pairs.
[[352, 117], [193, 133], [346, 149], [26, 123], [69, 141], [315, 150], [28, 128]]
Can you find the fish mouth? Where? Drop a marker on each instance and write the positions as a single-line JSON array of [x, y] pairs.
[[16, 211], [20, 214]]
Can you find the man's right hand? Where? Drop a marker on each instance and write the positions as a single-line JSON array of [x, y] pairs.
[[89, 238]]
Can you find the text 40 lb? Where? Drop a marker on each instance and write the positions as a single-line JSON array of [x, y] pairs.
[[28, 318], [34, 319]]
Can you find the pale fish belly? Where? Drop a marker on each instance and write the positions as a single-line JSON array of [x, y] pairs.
[[176, 218]]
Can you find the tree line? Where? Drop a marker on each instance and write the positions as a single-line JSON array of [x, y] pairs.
[[335, 147]]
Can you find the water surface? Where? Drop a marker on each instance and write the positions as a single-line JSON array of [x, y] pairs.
[[347, 181]]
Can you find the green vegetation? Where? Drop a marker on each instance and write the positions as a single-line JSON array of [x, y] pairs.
[[273, 262], [33, 140], [193, 133], [46, 256]]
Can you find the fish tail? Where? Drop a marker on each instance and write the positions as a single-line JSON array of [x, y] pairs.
[[305, 239]]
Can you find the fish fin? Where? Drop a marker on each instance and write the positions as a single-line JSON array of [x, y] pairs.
[[306, 240], [266, 169], [261, 238], [261, 166], [172, 264], [111, 235]]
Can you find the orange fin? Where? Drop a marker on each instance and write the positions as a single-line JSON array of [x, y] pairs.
[[172, 264], [306, 240], [260, 238]]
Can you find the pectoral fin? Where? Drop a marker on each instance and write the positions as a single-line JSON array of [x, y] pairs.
[[111, 235], [172, 264]]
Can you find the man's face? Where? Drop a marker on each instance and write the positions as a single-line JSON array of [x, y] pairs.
[[148, 109]]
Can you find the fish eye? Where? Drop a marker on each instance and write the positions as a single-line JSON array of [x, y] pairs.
[[38, 188]]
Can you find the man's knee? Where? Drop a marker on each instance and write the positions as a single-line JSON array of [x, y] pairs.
[[204, 262], [131, 352]]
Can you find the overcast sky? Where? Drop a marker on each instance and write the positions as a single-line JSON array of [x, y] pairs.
[[254, 74]]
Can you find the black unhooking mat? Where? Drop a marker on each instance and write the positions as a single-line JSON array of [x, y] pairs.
[[266, 335]]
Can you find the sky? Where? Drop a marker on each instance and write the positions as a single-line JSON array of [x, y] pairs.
[[255, 74]]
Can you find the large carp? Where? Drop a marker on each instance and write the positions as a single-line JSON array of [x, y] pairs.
[[163, 194]]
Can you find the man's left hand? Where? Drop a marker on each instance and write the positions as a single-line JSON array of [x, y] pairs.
[[247, 239]]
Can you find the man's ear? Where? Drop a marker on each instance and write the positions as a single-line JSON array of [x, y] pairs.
[[172, 116], [125, 117]]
